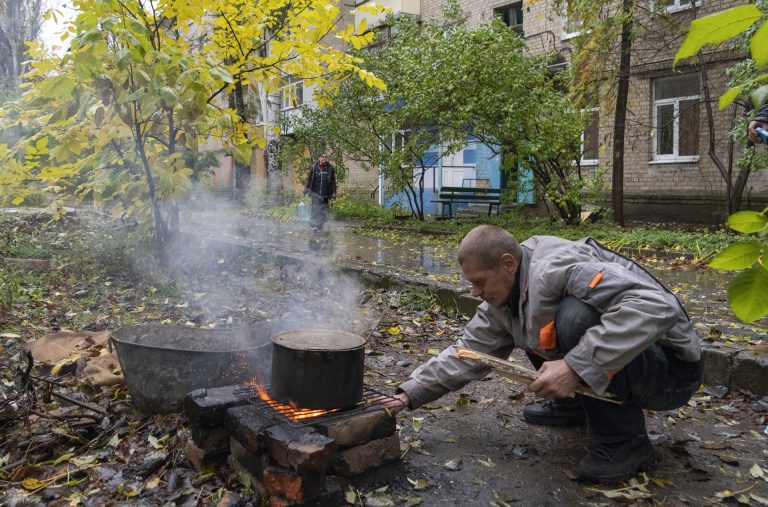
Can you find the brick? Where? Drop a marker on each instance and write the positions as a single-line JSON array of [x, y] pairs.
[[362, 458], [210, 438], [352, 431], [200, 458], [246, 424], [291, 485], [256, 484], [302, 449], [253, 462], [207, 408]]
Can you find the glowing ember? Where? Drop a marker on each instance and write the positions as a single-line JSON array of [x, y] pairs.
[[289, 410]]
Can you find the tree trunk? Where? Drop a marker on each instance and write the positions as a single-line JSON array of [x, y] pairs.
[[272, 152], [242, 171], [620, 117], [173, 205], [161, 229]]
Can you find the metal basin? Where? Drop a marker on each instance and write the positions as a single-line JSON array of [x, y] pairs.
[[161, 364]]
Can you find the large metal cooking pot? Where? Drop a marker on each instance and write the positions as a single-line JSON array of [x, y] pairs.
[[161, 364], [317, 368]]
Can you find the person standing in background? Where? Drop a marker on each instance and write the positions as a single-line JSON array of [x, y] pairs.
[[321, 186]]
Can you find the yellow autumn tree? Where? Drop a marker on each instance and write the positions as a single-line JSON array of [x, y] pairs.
[[119, 117]]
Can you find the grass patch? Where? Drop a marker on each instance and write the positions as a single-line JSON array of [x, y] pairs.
[[702, 243]]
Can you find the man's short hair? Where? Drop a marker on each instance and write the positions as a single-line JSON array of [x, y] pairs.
[[486, 244]]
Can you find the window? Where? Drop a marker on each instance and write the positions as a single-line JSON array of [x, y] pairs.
[[673, 5], [676, 118], [291, 93], [469, 153], [511, 15], [590, 138], [571, 26], [430, 158], [400, 139]]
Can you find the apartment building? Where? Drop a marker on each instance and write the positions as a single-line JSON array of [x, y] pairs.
[[668, 172]]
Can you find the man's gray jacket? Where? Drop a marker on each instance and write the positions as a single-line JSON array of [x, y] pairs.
[[637, 310]]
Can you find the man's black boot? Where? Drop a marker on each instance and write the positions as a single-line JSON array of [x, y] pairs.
[[616, 462], [557, 412]]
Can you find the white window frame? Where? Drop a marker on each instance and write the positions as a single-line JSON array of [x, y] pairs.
[[590, 161], [675, 101], [675, 6], [565, 35], [288, 91]]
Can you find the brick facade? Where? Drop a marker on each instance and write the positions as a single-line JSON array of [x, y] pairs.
[[694, 189]]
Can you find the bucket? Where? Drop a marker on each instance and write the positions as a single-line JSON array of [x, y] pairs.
[[162, 364]]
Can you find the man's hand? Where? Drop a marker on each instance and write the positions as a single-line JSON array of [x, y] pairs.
[[400, 402], [556, 380], [753, 136]]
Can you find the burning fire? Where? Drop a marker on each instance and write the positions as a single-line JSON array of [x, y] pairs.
[[289, 410]]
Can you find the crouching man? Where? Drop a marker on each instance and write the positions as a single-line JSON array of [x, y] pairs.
[[583, 314]]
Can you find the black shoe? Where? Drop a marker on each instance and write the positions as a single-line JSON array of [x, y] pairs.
[[557, 412], [608, 463]]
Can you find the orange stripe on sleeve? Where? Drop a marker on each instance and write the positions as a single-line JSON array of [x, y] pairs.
[[548, 336], [595, 280]]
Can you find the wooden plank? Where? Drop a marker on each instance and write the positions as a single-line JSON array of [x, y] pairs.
[[523, 375], [472, 198], [478, 191]]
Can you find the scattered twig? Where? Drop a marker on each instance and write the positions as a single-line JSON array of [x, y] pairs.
[[86, 406], [64, 416]]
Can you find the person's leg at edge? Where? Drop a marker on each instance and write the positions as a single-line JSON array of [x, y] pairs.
[[620, 447], [574, 320]]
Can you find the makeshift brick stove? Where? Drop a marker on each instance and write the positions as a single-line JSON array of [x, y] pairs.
[[288, 453]]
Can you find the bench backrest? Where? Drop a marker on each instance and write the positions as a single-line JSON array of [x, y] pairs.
[[476, 193]]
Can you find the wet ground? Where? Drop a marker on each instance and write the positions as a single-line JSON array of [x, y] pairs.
[[471, 447], [703, 291], [706, 452], [474, 448]]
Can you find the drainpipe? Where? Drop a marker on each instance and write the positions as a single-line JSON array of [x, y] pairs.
[[381, 179], [439, 175], [381, 185]]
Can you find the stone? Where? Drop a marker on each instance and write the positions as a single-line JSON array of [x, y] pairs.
[[228, 499], [750, 372], [356, 430], [359, 459], [302, 449], [718, 364]]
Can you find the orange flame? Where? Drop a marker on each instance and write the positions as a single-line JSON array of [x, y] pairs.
[[289, 410]]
